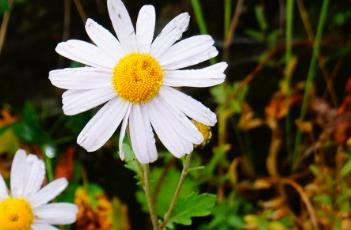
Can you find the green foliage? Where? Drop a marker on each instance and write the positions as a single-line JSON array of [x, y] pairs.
[[4, 6], [230, 96], [163, 183], [342, 17], [260, 17], [77, 122], [229, 215], [28, 128], [69, 194], [346, 169], [166, 185], [193, 205]]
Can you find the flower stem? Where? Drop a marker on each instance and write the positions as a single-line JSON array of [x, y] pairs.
[[146, 177], [227, 15], [186, 164], [288, 56], [4, 25], [199, 16], [310, 77], [49, 168]]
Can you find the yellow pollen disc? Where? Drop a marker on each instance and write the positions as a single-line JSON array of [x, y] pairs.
[[137, 77], [15, 214]]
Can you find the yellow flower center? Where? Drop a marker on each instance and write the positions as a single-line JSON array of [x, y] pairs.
[[137, 77], [205, 131], [15, 214]]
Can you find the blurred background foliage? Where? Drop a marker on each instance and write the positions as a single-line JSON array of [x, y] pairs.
[[280, 156]]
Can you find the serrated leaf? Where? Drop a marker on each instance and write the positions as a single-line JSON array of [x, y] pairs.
[[194, 205]]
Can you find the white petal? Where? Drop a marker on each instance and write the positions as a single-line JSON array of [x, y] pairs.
[[81, 78], [104, 39], [193, 60], [48, 192], [78, 101], [189, 52], [171, 33], [123, 133], [57, 213], [177, 134], [141, 135], [122, 25], [191, 107], [145, 28], [85, 53], [17, 175], [181, 123], [35, 175], [209, 76], [102, 126], [42, 226], [3, 189]]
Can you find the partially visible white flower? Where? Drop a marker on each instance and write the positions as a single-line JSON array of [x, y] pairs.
[[134, 74], [25, 206]]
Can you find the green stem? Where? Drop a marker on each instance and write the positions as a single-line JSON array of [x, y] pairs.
[[289, 31], [200, 20], [310, 76], [199, 16], [147, 190], [186, 164], [49, 169], [288, 55], [227, 15]]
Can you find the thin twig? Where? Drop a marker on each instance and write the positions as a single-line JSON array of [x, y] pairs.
[[271, 162], [80, 10], [310, 78], [233, 25], [147, 190], [227, 15], [67, 8], [304, 199], [288, 58], [66, 19], [4, 25], [186, 164], [310, 35]]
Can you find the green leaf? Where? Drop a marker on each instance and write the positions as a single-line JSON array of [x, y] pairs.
[[166, 189], [76, 123], [315, 170], [254, 34], [4, 128], [219, 94], [346, 169], [260, 17], [236, 222], [194, 205], [4, 6], [324, 199], [130, 160]]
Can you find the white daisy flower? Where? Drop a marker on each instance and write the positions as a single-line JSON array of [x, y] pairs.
[[25, 206], [135, 74]]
